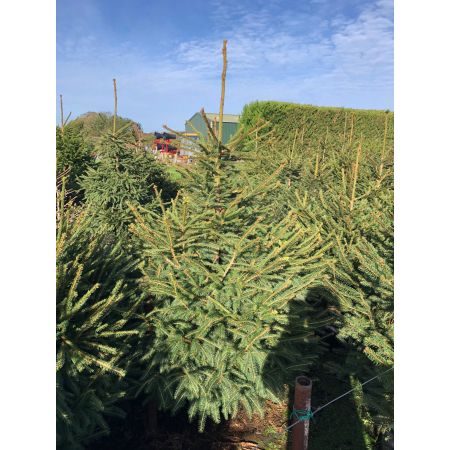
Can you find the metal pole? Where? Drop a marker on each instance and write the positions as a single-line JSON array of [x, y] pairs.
[[302, 400]]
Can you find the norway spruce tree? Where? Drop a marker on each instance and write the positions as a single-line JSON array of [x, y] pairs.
[[223, 278], [95, 301], [357, 215], [73, 158], [124, 174], [338, 175]]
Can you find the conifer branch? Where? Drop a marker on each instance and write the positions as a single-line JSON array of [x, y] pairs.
[[383, 150], [208, 126], [345, 130], [316, 170], [355, 177], [344, 180], [351, 129]]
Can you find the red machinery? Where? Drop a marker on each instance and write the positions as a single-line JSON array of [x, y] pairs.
[[162, 144]]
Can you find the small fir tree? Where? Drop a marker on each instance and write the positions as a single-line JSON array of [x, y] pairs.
[[94, 304], [73, 158], [124, 174], [345, 187], [357, 214]]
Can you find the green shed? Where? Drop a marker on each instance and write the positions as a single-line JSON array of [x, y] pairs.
[[197, 125]]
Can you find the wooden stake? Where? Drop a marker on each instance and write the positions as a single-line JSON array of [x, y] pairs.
[[302, 401], [62, 113], [222, 94], [115, 106]]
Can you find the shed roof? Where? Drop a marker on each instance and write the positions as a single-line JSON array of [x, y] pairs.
[[233, 118], [229, 118]]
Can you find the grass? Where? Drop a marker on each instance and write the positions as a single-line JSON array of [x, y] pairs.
[[173, 173], [338, 426]]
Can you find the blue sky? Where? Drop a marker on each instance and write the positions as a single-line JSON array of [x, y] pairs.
[[166, 55]]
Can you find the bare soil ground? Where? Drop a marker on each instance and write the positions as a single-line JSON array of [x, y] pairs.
[[175, 433]]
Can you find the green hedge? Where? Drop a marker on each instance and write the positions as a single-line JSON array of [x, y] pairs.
[[319, 123]]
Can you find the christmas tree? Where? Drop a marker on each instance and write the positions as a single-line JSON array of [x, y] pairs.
[[72, 159], [342, 183], [123, 174], [357, 214], [95, 301], [223, 277]]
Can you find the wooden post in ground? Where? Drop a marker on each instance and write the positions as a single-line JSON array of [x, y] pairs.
[[302, 404]]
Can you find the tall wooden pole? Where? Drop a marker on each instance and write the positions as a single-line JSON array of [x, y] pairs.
[[302, 401], [115, 106], [222, 94], [62, 113]]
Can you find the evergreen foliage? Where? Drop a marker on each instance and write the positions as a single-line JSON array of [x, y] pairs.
[[363, 283], [338, 176], [123, 174], [92, 126], [223, 278], [72, 156], [316, 125], [95, 301], [301, 198]]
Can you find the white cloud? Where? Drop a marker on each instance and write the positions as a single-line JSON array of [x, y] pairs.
[[273, 53]]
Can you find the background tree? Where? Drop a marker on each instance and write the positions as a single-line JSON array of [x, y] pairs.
[[123, 174], [92, 126], [73, 157]]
